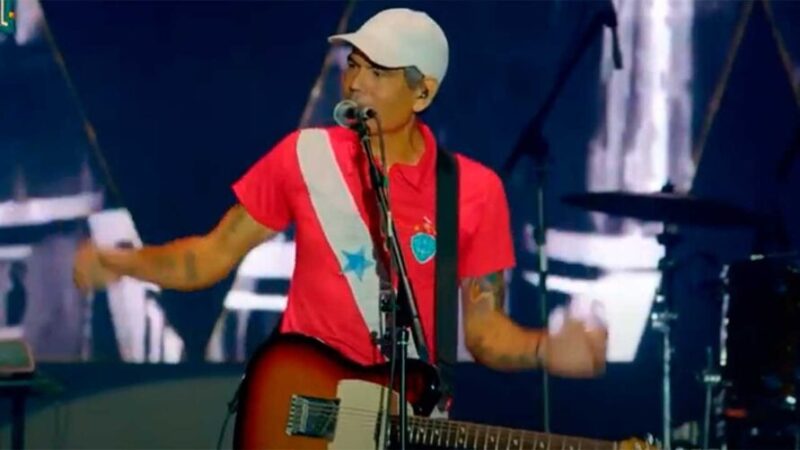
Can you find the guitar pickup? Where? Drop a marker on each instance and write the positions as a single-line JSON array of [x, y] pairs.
[[312, 417]]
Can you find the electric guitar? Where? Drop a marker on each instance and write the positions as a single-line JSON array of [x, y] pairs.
[[300, 394]]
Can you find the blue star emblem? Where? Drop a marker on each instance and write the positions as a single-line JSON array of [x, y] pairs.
[[357, 262]]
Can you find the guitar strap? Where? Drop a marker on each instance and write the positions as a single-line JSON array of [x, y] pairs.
[[446, 274]]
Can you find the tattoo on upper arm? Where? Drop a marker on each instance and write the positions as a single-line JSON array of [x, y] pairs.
[[485, 293], [233, 222], [494, 342], [239, 232]]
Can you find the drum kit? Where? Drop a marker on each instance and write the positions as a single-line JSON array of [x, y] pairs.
[[757, 373]]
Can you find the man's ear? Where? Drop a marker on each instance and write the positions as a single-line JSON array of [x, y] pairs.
[[425, 94]]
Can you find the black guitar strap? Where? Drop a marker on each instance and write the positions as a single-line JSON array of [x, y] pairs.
[[446, 275]]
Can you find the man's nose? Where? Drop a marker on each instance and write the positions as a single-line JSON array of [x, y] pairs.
[[356, 82]]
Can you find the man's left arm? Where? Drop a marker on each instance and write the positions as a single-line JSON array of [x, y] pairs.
[[496, 341], [491, 336]]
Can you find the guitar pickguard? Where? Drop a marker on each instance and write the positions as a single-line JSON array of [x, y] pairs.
[[359, 417]]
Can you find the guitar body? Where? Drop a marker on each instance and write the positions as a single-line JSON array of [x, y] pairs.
[[299, 394], [292, 378]]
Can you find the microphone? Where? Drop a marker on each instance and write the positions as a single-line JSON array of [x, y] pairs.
[[610, 20], [348, 113]]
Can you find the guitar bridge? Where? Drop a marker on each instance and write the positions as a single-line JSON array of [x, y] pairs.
[[312, 417]]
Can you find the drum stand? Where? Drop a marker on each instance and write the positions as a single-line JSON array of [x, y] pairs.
[[671, 209], [660, 320], [710, 377]]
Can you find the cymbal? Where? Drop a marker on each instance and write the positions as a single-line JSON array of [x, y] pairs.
[[673, 208]]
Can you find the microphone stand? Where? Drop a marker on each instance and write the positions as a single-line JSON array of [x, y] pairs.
[[533, 143], [401, 305]]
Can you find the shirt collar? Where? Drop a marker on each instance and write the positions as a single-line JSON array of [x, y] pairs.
[[415, 174], [419, 173]]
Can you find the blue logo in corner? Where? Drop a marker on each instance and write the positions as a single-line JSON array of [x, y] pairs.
[[423, 246]]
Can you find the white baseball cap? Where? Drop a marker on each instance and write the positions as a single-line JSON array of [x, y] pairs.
[[401, 37]]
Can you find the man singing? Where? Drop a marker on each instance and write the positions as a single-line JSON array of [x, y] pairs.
[[318, 180]]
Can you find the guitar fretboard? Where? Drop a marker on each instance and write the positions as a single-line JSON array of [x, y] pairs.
[[436, 433]]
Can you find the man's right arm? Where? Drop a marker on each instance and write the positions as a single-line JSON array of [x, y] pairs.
[[187, 264]]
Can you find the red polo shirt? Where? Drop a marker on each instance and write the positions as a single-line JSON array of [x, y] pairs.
[[320, 303]]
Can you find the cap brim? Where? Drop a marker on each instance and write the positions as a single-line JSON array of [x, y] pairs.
[[376, 53]]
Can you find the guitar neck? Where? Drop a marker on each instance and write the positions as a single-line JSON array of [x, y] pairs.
[[437, 433]]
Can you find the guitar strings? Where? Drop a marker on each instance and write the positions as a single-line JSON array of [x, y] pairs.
[[445, 425], [495, 440]]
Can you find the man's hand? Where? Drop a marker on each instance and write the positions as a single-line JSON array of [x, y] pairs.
[[575, 351], [88, 272]]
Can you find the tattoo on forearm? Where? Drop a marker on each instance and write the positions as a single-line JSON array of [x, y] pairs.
[[190, 262], [517, 360], [165, 263]]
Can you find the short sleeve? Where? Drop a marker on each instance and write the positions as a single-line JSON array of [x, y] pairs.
[[490, 248], [264, 189]]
